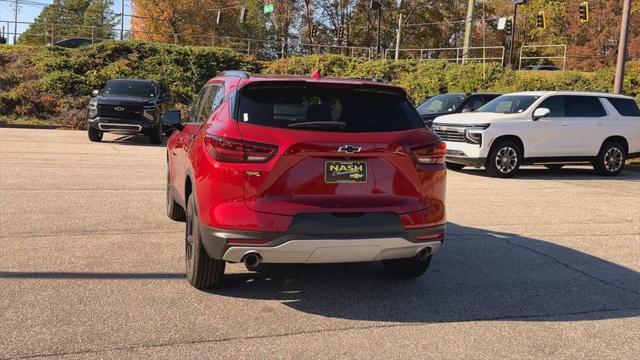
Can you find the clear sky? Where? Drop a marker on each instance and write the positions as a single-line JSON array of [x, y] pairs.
[[28, 10]]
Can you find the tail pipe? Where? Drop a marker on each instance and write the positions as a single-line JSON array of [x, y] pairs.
[[424, 254], [252, 260]]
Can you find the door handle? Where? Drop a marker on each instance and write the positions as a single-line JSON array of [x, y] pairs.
[[564, 124], [600, 123]]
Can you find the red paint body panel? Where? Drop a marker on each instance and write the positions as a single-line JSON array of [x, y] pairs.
[[266, 196]]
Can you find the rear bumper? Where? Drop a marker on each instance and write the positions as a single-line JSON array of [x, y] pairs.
[[319, 251], [333, 244]]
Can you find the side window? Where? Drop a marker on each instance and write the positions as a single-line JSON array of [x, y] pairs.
[[195, 106], [217, 100], [584, 106], [625, 107], [555, 104], [205, 103]]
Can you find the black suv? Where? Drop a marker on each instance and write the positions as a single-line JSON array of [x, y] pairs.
[[128, 107], [451, 103]]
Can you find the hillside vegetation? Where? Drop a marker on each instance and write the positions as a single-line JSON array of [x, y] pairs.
[[54, 84]]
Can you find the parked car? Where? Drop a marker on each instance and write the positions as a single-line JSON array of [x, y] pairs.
[[451, 103], [130, 107], [74, 43], [541, 67], [550, 128], [304, 170]]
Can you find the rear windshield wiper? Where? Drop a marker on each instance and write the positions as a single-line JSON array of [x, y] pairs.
[[334, 124]]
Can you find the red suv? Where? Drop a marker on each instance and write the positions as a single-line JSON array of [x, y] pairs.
[[304, 170]]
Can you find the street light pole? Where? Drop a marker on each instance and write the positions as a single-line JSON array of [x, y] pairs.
[[122, 21], [15, 25], [622, 47]]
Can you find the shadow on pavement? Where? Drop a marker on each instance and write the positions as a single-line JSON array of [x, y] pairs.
[[478, 275], [134, 140], [568, 173]]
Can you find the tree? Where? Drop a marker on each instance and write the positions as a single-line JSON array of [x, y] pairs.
[[71, 18]]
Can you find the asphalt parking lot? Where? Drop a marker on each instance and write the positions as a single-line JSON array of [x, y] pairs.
[[545, 265]]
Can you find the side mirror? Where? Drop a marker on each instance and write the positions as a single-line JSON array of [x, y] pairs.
[[172, 118], [467, 109], [540, 113], [95, 93]]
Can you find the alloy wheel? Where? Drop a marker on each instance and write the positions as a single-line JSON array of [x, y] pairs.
[[506, 159], [613, 159]]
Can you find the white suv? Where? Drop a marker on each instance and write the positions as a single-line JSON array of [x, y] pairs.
[[552, 128]]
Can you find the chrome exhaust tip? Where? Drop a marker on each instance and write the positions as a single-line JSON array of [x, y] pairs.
[[252, 260], [423, 255]]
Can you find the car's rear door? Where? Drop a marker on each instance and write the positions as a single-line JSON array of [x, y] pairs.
[[367, 165], [587, 120]]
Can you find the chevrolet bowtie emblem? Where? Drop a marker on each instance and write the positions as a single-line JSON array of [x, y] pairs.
[[349, 149], [118, 108]]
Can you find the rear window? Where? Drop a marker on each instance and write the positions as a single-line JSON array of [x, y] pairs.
[[327, 107], [625, 107]]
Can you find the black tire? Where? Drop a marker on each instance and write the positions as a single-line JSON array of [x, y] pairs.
[[504, 159], [95, 135], [611, 158], [156, 134], [454, 166], [202, 271], [174, 210], [406, 268], [554, 167]]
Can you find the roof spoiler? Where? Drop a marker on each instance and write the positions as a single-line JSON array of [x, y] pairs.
[[237, 73]]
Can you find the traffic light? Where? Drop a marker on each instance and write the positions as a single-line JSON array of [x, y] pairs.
[[584, 11], [375, 4], [243, 15], [314, 31], [541, 22], [340, 32], [508, 26], [219, 18]]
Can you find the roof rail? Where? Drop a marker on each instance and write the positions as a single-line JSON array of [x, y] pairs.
[[372, 79], [237, 73]]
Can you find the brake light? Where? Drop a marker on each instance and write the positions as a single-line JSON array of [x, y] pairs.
[[430, 154], [238, 151]]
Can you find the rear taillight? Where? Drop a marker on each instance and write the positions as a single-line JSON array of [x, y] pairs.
[[238, 151], [430, 154]]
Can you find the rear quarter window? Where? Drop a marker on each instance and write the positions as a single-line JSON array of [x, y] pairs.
[[327, 107], [625, 107]]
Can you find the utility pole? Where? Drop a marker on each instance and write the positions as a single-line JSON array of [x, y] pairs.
[[468, 29], [378, 32], [15, 25], [122, 21], [398, 37], [622, 47]]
